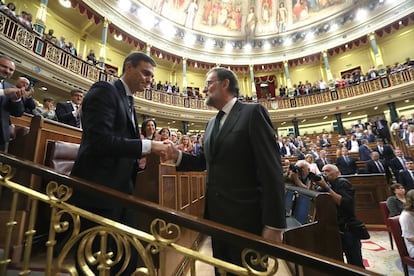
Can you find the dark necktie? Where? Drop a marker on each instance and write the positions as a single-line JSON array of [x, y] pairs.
[[380, 167], [131, 109], [216, 127], [77, 117]]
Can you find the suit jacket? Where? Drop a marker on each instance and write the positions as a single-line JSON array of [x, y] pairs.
[[381, 153], [8, 107], [110, 143], [346, 168], [364, 153], [371, 167], [396, 166], [64, 113], [320, 163], [348, 144], [245, 187], [325, 143], [283, 151], [406, 180]]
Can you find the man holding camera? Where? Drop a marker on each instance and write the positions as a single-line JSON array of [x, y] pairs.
[[299, 174], [343, 193]]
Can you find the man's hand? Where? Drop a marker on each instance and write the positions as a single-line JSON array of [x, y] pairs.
[[172, 151], [16, 93], [159, 148]]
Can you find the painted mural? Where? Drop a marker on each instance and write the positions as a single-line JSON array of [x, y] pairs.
[[248, 18]]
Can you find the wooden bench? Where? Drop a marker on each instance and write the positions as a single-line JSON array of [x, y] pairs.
[[370, 190], [312, 224]]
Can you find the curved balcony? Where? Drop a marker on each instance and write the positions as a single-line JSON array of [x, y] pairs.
[[58, 68]]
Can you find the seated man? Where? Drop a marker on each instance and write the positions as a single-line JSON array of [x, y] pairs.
[[406, 177]]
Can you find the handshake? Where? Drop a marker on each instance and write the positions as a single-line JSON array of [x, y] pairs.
[[165, 149]]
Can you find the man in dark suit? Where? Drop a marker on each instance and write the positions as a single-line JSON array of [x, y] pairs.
[[406, 177], [111, 142], [364, 151], [245, 188], [397, 164], [69, 112], [322, 160], [376, 165], [345, 163], [10, 100]]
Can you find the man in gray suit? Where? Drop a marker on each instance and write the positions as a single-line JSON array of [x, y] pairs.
[[10, 100], [245, 188]]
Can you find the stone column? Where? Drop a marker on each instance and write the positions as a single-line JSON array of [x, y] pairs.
[[327, 66], [254, 95], [287, 75], [393, 111], [40, 21], [339, 122], [102, 53], [377, 54], [295, 127]]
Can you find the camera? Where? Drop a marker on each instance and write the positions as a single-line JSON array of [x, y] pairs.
[[295, 168], [29, 87], [316, 177]]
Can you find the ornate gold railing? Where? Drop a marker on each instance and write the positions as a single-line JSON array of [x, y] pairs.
[[165, 231]]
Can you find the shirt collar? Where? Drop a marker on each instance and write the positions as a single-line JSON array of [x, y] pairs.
[[229, 105], [127, 90]]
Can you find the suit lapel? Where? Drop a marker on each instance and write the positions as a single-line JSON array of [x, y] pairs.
[[122, 93], [228, 125]]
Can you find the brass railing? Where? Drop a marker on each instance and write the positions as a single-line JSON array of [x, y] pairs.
[[165, 231]]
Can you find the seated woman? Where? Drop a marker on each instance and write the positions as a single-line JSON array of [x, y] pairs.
[[396, 202], [407, 223], [148, 128]]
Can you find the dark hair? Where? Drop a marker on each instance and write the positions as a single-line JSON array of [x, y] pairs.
[[48, 100], [409, 201], [226, 74], [164, 128], [135, 58], [144, 126], [394, 187], [74, 91]]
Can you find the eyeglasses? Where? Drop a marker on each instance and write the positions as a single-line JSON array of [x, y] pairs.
[[210, 82]]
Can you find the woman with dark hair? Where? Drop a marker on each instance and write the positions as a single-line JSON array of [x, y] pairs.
[[396, 202], [148, 128], [407, 223], [164, 134]]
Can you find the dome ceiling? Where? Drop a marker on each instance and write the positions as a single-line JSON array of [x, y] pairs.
[[240, 32]]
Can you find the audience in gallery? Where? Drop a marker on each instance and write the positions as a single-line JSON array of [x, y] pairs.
[[25, 18], [299, 89], [407, 222], [396, 201]]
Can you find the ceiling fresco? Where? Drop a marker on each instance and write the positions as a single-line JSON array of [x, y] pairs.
[[246, 19]]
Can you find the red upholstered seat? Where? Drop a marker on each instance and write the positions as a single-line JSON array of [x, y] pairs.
[[385, 215], [61, 156]]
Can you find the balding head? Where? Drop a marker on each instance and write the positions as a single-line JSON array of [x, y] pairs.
[[22, 82]]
